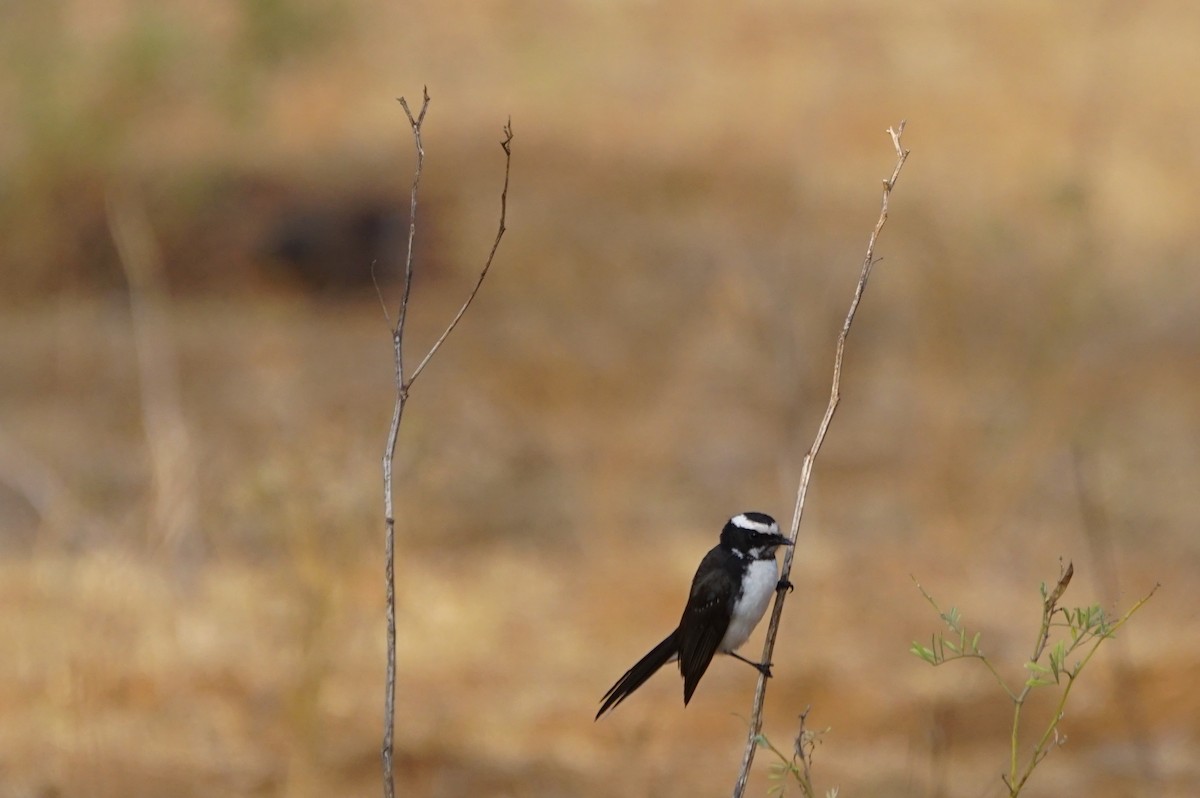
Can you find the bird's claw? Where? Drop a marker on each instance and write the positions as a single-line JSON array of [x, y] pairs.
[[785, 585], [765, 669]]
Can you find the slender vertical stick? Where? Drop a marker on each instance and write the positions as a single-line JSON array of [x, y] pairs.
[[389, 457], [760, 692], [403, 385], [174, 505]]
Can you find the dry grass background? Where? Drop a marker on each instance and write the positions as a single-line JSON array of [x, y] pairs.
[[692, 190]]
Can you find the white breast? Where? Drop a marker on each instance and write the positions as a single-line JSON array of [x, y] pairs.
[[761, 579]]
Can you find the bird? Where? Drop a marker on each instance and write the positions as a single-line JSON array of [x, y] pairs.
[[730, 593]]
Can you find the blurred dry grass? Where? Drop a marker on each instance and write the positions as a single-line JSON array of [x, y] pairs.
[[691, 195]]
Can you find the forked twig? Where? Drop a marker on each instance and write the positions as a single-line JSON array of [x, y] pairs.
[[806, 467], [403, 384]]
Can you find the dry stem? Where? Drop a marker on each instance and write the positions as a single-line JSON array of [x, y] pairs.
[[806, 467], [174, 506], [403, 384]]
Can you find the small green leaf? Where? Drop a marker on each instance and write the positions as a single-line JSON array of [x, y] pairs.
[[975, 643], [1034, 681], [923, 653], [1057, 655], [1096, 619], [1036, 667]]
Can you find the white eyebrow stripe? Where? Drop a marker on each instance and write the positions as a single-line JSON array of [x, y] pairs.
[[740, 520]]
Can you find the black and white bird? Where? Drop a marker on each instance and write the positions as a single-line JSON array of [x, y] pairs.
[[730, 593]]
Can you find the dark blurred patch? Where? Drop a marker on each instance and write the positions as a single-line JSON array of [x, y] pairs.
[[323, 239], [331, 245], [225, 233]]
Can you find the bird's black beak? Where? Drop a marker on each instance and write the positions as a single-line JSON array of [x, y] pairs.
[[780, 540]]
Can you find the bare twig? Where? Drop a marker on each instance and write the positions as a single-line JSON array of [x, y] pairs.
[[415, 124], [507, 145], [173, 503], [803, 749], [806, 467], [403, 384]]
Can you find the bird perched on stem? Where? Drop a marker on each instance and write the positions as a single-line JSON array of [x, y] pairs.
[[730, 593]]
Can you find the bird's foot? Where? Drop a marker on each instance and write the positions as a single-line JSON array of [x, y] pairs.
[[785, 585], [762, 667]]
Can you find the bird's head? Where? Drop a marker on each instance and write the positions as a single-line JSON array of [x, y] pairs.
[[754, 535]]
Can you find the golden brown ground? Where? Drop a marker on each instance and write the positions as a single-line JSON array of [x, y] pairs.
[[691, 197]]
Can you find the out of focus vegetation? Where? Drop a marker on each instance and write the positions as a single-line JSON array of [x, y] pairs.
[[691, 196]]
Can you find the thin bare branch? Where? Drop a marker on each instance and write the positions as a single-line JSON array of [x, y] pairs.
[[756, 718], [389, 456], [379, 294], [389, 557], [507, 145], [402, 316], [402, 388], [174, 506]]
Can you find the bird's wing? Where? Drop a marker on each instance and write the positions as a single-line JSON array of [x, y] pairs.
[[706, 617]]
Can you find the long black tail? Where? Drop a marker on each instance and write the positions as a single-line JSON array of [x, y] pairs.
[[636, 676]]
